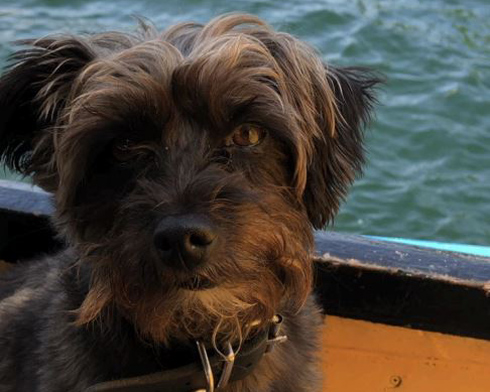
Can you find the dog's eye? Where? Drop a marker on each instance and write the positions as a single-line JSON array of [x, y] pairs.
[[246, 136], [125, 150]]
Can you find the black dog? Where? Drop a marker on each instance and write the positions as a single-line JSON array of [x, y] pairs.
[[189, 169]]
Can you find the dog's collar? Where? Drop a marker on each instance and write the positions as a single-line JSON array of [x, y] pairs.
[[200, 377]]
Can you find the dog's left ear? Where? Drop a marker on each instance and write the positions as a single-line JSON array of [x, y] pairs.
[[33, 92], [338, 155]]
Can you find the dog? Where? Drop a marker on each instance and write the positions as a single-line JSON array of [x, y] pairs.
[[188, 169]]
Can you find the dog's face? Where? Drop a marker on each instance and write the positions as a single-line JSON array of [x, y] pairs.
[[188, 167]]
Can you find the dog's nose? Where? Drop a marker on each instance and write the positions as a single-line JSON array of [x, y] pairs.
[[185, 241]]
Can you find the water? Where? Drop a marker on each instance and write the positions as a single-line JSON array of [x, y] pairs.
[[429, 149]]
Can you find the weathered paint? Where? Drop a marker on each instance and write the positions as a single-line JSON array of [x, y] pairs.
[[475, 250], [360, 356]]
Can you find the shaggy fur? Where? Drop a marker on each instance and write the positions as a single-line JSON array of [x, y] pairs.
[[129, 131]]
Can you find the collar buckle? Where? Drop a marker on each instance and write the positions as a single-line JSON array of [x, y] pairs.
[[229, 358], [227, 367], [274, 337], [206, 366]]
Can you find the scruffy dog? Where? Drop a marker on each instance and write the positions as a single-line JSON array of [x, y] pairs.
[[188, 170]]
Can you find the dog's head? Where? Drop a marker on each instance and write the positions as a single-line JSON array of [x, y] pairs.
[[189, 167]]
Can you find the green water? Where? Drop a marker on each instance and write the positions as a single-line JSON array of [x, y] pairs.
[[429, 171]]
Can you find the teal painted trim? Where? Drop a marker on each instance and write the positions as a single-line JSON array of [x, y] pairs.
[[451, 247]]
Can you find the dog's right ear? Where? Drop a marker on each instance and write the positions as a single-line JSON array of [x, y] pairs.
[[33, 92]]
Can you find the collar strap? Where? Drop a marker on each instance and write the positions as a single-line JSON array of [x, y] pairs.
[[200, 377]]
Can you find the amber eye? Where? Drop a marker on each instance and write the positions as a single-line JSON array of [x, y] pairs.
[[246, 136]]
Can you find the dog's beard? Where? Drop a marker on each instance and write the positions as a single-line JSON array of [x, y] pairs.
[[220, 314], [166, 309], [228, 312]]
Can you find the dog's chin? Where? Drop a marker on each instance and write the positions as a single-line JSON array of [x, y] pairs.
[[197, 283]]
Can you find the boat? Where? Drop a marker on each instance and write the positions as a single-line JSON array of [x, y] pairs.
[[400, 314]]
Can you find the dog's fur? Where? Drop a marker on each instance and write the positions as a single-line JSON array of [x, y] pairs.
[[127, 130]]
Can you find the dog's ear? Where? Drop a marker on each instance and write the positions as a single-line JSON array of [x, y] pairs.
[[331, 106], [338, 154], [33, 92]]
